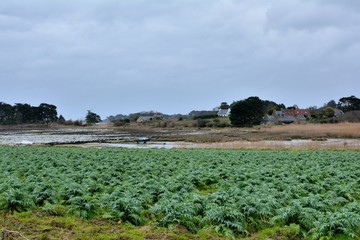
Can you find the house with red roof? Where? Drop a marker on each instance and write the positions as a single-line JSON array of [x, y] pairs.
[[287, 116]]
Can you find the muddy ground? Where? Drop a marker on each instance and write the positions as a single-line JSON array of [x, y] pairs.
[[41, 135], [233, 138]]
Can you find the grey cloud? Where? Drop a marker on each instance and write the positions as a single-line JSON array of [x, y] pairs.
[[179, 55]]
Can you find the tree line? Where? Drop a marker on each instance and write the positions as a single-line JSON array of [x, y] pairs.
[[244, 113], [23, 113], [250, 111], [20, 113]]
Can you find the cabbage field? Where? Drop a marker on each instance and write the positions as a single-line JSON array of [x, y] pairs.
[[311, 194]]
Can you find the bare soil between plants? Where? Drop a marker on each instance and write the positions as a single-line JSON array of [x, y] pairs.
[[344, 136]]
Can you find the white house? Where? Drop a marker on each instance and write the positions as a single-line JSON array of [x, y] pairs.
[[224, 112], [142, 119]]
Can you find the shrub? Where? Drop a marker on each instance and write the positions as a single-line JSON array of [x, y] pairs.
[[201, 123]]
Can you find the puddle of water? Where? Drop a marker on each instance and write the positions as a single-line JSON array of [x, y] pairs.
[[167, 145]]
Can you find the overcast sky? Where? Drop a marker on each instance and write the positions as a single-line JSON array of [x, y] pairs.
[[174, 56]]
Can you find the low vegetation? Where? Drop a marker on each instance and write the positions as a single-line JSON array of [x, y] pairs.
[[232, 136], [74, 193]]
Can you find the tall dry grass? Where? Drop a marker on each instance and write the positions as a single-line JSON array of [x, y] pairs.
[[339, 130], [332, 144], [342, 136]]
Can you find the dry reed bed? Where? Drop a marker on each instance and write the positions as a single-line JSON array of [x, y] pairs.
[[331, 144], [278, 132], [340, 130], [342, 136]]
